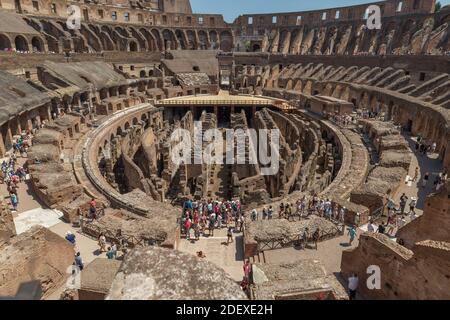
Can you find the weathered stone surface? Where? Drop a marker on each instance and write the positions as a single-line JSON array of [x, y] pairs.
[[7, 228], [97, 277], [151, 273], [37, 254], [299, 280]]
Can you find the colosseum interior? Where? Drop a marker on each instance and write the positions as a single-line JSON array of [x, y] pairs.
[[88, 117]]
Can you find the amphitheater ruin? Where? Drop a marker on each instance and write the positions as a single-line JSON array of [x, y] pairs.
[[87, 122]]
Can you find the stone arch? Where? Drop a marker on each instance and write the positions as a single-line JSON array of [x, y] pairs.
[[126, 126], [5, 42], [21, 43], [152, 45], [158, 40], [169, 39], [203, 40], [106, 41], [181, 39], [135, 121], [192, 40], [37, 44], [142, 74], [214, 39], [133, 46]]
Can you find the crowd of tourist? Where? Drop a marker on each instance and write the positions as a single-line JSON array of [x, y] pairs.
[[201, 216], [302, 208], [11, 173]]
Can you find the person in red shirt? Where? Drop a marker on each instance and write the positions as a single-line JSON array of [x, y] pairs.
[[187, 226], [93, 209], [247, 267]]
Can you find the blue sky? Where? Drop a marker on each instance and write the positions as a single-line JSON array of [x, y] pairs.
[[231, 9]]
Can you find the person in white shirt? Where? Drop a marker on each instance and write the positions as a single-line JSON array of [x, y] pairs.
[[370, 227], [353, 286]]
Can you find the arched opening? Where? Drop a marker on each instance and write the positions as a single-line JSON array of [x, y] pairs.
[[142, 74], [133, 46], [37, 44], [21, 43], [5, 43]]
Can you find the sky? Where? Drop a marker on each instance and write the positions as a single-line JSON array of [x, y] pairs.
[[231, 9]]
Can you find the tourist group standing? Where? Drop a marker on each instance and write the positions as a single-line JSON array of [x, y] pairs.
[[204, 216]]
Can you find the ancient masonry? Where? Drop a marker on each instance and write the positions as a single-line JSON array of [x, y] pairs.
[[103, 100]]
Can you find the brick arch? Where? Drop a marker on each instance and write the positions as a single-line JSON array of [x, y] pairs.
[[21, 43], [37, 44], [5, 41]]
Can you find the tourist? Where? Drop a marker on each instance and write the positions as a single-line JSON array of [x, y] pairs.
[[342, 214], [219, 221], [14, 200], [247, 268], [93, 209], [197, 232], [187, 228], [352, 234], [403, 200], [78, 261], [102, 242], [254, 215], [229, 235], [353, 286], [270, 213], [114, 250], [370, 227], [381, 228], [241, 224], [315, 237], [304, 238], [212, 222], [264, 213], [110, 254], [412, 205]]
